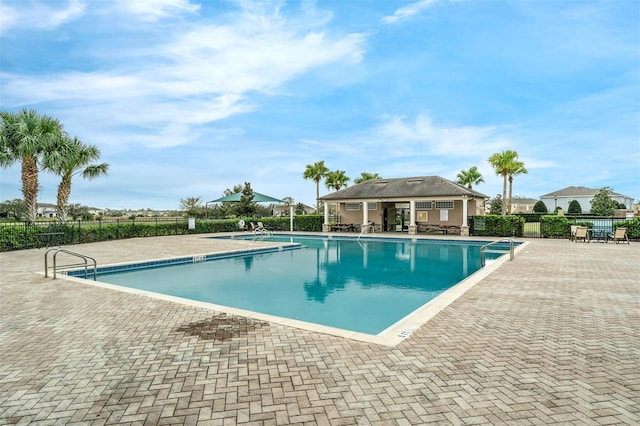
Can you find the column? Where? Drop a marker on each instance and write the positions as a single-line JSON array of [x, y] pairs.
[[413, 228], [325, 226], [464, 229], [291, 218], [365, 213]]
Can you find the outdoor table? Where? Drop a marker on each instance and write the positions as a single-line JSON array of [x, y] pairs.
[[599, 235]]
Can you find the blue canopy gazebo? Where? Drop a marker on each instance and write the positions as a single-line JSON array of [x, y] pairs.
[[257, 198]]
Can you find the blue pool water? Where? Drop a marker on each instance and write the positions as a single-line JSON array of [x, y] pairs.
[[364, 286]]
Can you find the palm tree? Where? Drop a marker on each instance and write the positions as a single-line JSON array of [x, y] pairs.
[[67, 158], [336, 180], [364, 176], [517, 168], [502, 162], [316, 172], [469, 177], [24, 137]]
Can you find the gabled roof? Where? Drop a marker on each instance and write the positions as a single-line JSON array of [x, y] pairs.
[[576, 191], [404, 189], [522, 200]]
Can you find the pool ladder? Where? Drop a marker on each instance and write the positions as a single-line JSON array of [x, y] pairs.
[[55, 267], [493, 247], [367, 229]]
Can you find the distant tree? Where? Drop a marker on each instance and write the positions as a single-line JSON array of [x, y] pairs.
[[246, 206], [495, 205], [574, 207], [316, 172], [602, 204], [66, 158], [14, 209], [470, 177], [191, 206], [78, 211], [365, 176], [621, 206], [234, 190], [540, 207], [24, 137], [263, 210], [300, 209], [336, 180], [502, 162], [288, 201]]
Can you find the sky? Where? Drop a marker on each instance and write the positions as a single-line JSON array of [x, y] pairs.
[[188, 98]]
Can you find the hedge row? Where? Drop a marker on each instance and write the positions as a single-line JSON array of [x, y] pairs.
[[22, 236], [560, 226], [497, 225]]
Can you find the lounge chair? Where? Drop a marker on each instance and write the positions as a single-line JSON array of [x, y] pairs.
[[582, 232], [242, 226], [620, 234], [572, 235]]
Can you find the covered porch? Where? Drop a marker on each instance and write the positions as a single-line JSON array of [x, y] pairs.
[[420, 215]]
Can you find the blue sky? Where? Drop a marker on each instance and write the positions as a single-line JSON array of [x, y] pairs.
[[188, 98]]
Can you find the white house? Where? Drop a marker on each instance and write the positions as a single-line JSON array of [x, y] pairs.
[[46, 210], [582, 195]]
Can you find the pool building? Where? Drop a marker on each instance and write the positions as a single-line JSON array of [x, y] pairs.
[[424, 203]]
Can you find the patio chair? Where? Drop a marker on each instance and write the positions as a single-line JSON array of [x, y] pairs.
[[572, 235], [582, 232], [620, 234], [242, 226]]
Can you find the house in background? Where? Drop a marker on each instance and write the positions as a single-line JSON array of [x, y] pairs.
[[283, 209], [46, 210], [406, 204], [582, 195], [522, 205]]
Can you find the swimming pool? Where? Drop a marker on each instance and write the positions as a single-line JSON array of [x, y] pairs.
[[363, 286]]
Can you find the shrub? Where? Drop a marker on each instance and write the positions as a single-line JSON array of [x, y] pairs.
[[632, 225], [497, 225], [555, 226], [540, 207], [574, 207]]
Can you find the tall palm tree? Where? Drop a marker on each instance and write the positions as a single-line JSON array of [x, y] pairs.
[[316, 172], [470, 177], [336, 180], [365, 176], [67, 158], [517, 168], [24, 137], [502, 162]]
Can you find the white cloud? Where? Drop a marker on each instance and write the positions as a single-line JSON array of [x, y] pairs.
[[423, 136], [154, 10], [408, 11], [200, 76], [43, 15]]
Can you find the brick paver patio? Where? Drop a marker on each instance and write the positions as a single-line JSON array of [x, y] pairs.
[[552, 337]]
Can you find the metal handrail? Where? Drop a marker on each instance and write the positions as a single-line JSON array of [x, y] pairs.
[[364, 229], [72, 253], [485, 249]]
